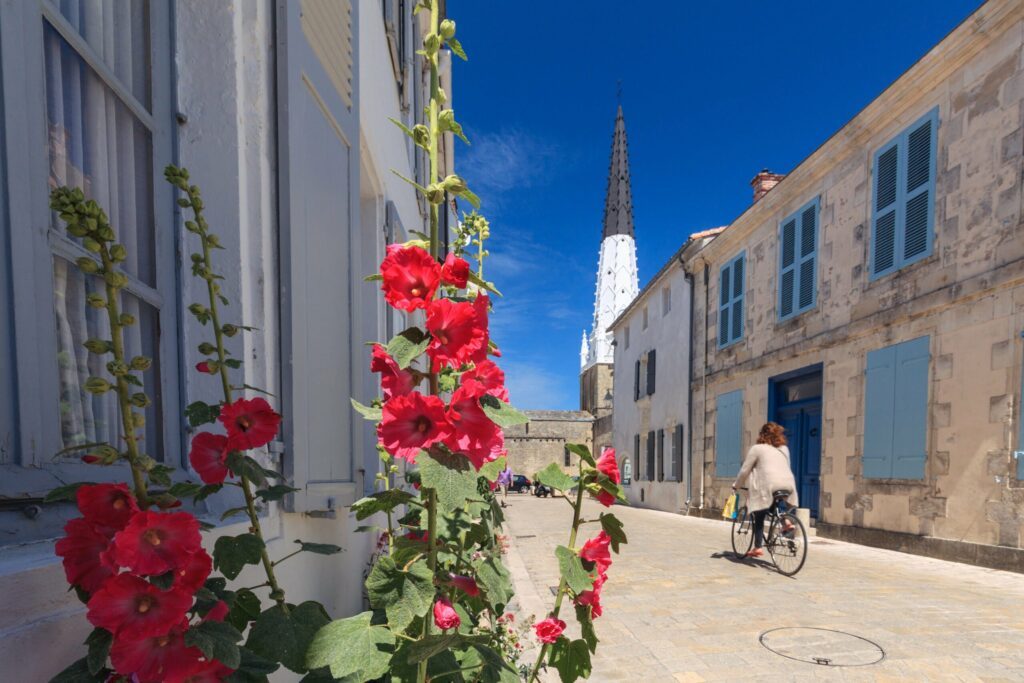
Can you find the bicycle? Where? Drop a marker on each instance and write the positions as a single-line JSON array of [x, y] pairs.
[[787, 547]]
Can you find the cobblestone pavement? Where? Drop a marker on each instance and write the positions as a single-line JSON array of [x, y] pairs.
[[678, 607]]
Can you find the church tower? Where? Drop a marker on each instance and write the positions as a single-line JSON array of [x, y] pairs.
[[617, 286]]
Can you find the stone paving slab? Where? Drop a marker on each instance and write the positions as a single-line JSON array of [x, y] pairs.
[[679, 607]]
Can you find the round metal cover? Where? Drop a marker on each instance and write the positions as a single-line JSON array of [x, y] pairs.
[[822, 646]]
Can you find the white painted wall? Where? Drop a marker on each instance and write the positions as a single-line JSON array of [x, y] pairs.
[[669, 334]]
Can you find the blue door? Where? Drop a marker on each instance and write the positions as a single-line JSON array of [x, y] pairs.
[[797, 407]]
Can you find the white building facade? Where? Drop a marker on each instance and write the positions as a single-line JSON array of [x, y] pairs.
[[279, 111]]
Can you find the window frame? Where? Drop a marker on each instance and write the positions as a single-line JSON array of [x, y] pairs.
[[666, 300], [734, 298], [799, 260]]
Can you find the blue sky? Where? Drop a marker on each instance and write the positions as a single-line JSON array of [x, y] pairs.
[[712, 93]]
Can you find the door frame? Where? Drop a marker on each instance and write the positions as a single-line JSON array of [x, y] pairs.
[[773, 407]]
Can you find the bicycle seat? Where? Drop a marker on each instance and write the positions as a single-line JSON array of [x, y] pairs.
[[781, 493]]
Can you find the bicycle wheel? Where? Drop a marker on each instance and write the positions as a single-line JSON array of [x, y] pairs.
[[787, 548], [742, 536]]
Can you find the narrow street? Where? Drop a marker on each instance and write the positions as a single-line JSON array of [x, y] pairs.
[[678, 607]]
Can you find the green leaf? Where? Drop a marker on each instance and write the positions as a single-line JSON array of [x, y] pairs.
[[232, 553], [494, 579], [319, 548], [233, 511], [78, 672], [491, 470], [200, 413], [586, 622], [254, 669], [161, 475], [207, 491], [404, 595], [375, 277], [571, 568], [428, 646], [571, 658], [66, 492], [242, 465], [369, 412], [381, 501], [456, 47], [244, 608], [501, 413], [99, 642], [185, 489], [163, 581], [352, 646], [489, 286], [284, 637], [411, 182], [275, 492], [405, 128], [216, 640], [468, 195], [553, 476], [492, 666], [407, 345], [233, 363], [613, 527], [582, 451], [451, 476]]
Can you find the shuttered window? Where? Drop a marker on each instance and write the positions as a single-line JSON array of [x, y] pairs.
[[652, 362], [896, 411], [636, 381], [798, 256], [730, 301], [636, 455], [677, 453], [729, 433], [661, 455], [903, 205], [649, 465]]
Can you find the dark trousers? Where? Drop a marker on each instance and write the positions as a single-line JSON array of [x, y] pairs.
[[759, 527]]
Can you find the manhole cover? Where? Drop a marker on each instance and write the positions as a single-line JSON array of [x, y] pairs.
[[822, 646]]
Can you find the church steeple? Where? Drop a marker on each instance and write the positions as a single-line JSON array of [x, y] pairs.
[[617, 283]]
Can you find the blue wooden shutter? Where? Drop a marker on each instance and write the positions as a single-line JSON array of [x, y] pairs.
[[787, 267], [879, 412], [883, 222], [910, 429], [808, 256], [737, 298], [728, 433], [919, 193], [724, 283]]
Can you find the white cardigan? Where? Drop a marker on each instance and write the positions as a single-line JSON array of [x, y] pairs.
[[766, 469]]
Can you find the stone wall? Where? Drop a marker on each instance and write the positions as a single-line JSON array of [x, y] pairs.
[[533, 446]]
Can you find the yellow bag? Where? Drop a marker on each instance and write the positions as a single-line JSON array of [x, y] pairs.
[[729, 510]]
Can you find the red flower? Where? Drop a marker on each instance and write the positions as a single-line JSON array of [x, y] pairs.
[[250, 422], [607, 465], [204, 367], [465, 584], [593, 597], [157, 659], [596, 550], [474, 435], [194, 572], [136, 607], [410, 277], [605, 498], [156, 542], [209, 672], [445, 616], [394, 381], [411, 423], [82, 549], [218, 612], [481, 305], [548, 630], [491, 376], [208, 457], [106, 505], [457, 336], [455, 271]]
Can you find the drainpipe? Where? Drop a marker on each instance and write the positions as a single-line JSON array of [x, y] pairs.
[[703, 380], [688, 276]]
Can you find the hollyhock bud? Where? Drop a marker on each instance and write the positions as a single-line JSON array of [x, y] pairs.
[[133, 605], [82, 549], [206, 348], [230, 330], [117, 368], [141, 363], [421, 135], [456, 333], [431, 43], [106, 505], [549, 630], [435, 193], [207, 367], [87, 265], [447, 29], [96, 301], [454, 184], [251, 423], [91, 459], [97, 385], [465, 584], [409, 277], [455, 271], [445, 616], [156, 542], [98, 345], [127, 319], [411, 423], [208, 457], [118, 253]]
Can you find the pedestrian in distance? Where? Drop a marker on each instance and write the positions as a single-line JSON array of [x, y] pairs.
[[505, 481], [766, 470]]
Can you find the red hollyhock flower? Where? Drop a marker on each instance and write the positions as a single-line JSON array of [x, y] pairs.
[[218, 612], [548, 630], [82, 549], [209, 456], [156, 542], [455, 271], [138, 608], [209, 672], [204, 367], [107, 505], [411, 423], [474, 435], [394, 381], [465, 584], [193, 574], [596, 550], [608, 466], [457, 335], [593, 597], [491, 376], [445, 616], [157, 659], [410, 277], [250, 422]]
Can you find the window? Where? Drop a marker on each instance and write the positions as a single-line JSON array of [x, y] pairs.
[[903, 210], [104, 102], [649, 468], [636, 381], [652, 357], [661, 455], [567, 459], [645, 318], [394, 28], [896, 411], [625, 335], [730, 301], [677, 453], [666, 301], [798, 255], [636, 452], [729, 434]]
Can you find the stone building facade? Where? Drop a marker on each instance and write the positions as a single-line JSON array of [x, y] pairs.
[[540, 442], [873, 302]]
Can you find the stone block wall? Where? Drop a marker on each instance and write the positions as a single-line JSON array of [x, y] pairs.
[[533, 446]]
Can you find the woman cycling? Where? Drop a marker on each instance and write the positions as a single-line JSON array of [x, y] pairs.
[[766, 470]]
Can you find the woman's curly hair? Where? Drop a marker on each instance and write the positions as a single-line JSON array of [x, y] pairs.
[[772, 433]]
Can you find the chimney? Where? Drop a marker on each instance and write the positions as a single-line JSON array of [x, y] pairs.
[[764, 181]]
